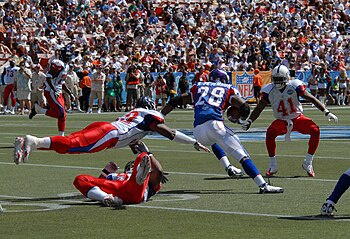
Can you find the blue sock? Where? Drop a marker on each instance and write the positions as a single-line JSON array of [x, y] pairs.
[[341, 186], [250, 168], [219, 153]]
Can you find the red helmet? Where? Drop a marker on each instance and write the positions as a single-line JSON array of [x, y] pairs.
[[56, 66]]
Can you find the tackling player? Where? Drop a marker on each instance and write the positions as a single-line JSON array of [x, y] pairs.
[[54, 85], [210, 101], [141, 180], [127, 130], [283, 95]]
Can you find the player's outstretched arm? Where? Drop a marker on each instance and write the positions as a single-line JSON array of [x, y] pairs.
[[255, 114], [177, 136], [175, 101], [307, 96]]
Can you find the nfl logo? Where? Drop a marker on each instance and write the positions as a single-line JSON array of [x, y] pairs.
[[244, 84]]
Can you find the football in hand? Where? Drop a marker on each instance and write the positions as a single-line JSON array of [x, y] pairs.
[[233, 114]]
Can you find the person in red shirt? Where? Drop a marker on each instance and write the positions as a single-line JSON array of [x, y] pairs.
[[257, 84], [140, 180], [147, 58]]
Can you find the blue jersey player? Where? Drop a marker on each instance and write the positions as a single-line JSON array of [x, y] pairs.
[[210, 101], [339, 189]]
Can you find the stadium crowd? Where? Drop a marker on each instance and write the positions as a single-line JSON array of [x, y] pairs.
[[100, 40]]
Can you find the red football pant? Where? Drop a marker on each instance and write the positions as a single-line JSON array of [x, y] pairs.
[[128, 190], [95, 137], [8, 92], [301, 124], [57, 109]]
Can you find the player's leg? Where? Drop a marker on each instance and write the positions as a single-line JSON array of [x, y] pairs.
[[95, 137], [99, 189], [135, 188], [217, 132], [221, 156], [278, 127], [305, 125], [339, 189]]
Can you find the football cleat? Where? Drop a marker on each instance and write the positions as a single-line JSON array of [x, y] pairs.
[[112, 201], [272, 171], [266, 188], [32, 112], [309, 169], [18, 150], [143, 169], [327, 209], [233, 171]]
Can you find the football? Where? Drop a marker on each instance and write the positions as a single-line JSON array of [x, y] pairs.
[[233, 114]]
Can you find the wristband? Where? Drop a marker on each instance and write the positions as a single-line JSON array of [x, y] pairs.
[[326, 112], [182, 138]]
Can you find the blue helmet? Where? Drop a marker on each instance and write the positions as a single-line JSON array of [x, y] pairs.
[[145, 102]]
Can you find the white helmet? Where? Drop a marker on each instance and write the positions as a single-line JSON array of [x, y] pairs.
[[280, 76]]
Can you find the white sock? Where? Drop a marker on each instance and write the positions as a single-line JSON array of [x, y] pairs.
[[5, 108], [12, 108], [61, 133], [330, 202], [273, 161], [96, 193], [308, 159], [259, 180], [43, 142], [225, 162]]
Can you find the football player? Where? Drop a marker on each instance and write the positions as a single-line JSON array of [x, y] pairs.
[[54, 84], [283, 95], [141, 180], [210, 100], [342, 185], [127, 130], [7, 78]]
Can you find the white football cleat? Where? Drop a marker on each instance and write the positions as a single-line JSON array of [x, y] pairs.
[[143, 169], [309, 169], [327, 209], [18, 150], [266, 188], [112, 201], [272, 171], [233, 171]]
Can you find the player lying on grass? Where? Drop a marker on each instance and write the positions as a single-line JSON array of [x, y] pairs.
[[127, 130], [340, 188], [141, 180], [283, 95], [210, 101]]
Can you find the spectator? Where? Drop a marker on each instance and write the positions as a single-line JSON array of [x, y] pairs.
[[38, 80], [85, 85], [132, 79], [257, 84], [97, 89], [22, 84]]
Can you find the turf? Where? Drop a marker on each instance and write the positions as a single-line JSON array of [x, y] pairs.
[[199, 201]]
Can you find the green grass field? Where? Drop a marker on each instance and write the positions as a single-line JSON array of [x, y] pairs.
[[199, 201]]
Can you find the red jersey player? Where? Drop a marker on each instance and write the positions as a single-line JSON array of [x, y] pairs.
[[127, 130], [141, 180]]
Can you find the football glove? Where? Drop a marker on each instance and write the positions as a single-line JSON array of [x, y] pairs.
[[112, 176], [246, 124], [164, 179], [57, 94], [331, 116], [199, 146]]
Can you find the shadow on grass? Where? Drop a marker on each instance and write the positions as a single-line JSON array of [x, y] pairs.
[[318, 217], [205, 192]]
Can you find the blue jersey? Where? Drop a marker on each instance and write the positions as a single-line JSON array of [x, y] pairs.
[[210, 100], [219, 75]]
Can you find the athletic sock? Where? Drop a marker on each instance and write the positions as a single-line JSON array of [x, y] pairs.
[[95, 193], [251, 170], [309, 158]]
